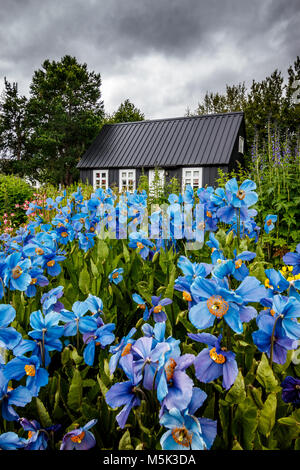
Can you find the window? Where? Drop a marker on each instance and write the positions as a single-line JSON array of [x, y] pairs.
[[191, 176], [127, 180], [100, 179], [241, 144]]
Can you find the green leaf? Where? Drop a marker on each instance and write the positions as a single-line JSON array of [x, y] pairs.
[[84, 280], [43, 413], [75, 392], [265, 375], [125, 441], [267, 415], [236, 445], [237, 393]]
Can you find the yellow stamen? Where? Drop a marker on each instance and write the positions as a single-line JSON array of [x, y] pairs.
[[218, 358], [241, 194], [51, 263], [78, 439], [186, 296], [157, 308], [30, 370], [182, 436], [169, 368], [217, 306], [16, 272], [126, 349], [238, 263], [115, 275]]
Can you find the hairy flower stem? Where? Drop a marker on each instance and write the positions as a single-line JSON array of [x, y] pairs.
[[43, 348], [77, 334], [272, 339]]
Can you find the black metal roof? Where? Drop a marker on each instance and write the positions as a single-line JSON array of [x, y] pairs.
[[198, 140]]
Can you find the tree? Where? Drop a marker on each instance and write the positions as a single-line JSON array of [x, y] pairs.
[[14, 129], [127, 112], [267, 105], [66, 113]]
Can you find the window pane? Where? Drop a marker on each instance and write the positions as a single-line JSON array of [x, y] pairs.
[[188, 173]]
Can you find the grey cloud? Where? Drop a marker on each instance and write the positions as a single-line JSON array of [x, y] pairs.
[[206, 44]]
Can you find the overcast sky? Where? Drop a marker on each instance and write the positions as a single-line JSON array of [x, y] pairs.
[[161, 54]]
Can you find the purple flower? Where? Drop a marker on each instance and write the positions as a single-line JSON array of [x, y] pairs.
[[157, 305], [80, 438], [263, 336], [174, 386], [293, 259], [214, 361], [291, 390]]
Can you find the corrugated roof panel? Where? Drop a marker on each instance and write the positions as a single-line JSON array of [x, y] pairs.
[[198, 140]]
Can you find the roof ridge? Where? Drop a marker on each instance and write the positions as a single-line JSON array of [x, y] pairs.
[[172, 119]]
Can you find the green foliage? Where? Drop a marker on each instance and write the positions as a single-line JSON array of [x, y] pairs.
[[127, 112], [14, 191], [270, 100], [48, 133]]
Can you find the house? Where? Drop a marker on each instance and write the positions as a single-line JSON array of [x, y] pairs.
[[190, 148]]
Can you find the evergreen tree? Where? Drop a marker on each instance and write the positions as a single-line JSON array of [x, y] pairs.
[[66, 113], [127, 112], [14, 130]]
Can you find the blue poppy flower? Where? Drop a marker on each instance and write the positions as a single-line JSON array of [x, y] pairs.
[[37, 436], [139, 240], [125, 393], [214, 361], [142, 305], [269, 222], [95, 304], [174, 386], [157, 308], [11, 441], [116, 275], [121, 349], [79, 439], [262, 338], [19, 396], [16, 273], [288, 309], [217, 303], [50, 301], [184, 432], [275, 282], [22, 366], [293, 259], [102, 336], [145, 358], [76, 320], [46, 328], [37, 279], [9, 337]]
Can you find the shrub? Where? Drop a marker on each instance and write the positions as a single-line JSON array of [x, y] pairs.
[[14, 191]]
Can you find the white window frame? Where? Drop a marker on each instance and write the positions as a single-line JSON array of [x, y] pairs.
[[126, 170], [95, 186], [151, 176], [191, 179], [241, 144]]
